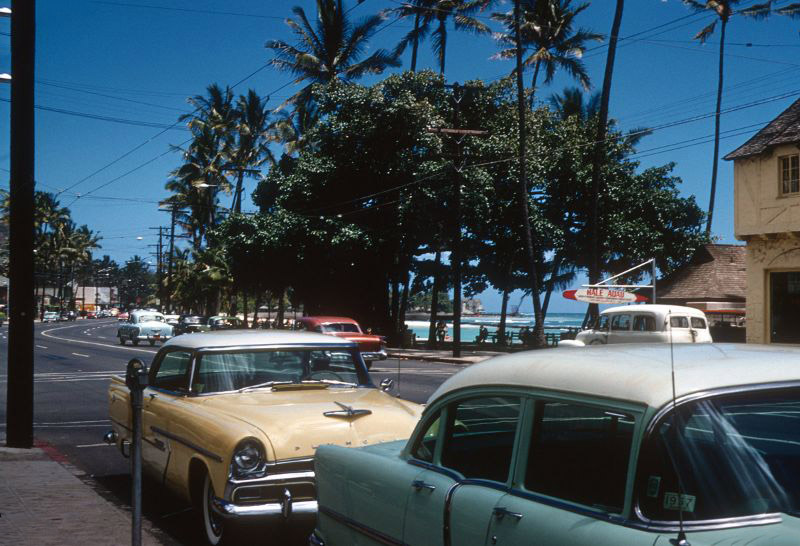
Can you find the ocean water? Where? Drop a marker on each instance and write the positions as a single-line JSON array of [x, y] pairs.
[[554, 323]]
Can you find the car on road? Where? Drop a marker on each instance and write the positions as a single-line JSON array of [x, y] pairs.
[[51, 316], [647, 323], [91, 314], [583, 448], [232, 419], [372, 347], [123, 316], [223, 322], [146, 326], [189, 324], [172, 320]]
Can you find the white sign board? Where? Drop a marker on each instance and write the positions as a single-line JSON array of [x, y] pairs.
[[603, 295]]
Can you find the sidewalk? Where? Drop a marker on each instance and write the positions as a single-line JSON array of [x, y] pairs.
[[43, 502], [442, 355]]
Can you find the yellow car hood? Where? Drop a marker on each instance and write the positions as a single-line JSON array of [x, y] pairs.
[[296, 423]]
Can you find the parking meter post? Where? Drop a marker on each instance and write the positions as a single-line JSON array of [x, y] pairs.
[[136, 380]]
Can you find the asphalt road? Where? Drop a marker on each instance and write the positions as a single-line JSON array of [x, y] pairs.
[[73, 364]]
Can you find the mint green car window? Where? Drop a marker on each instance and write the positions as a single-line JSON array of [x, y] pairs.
[[736, 454], [580, 453], [480, 437], [426, 447], [173, 371]]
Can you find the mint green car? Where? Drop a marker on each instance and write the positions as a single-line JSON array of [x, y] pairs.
[[576, 447]]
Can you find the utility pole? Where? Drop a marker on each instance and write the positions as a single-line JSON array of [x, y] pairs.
[[456, 258], [19, 401], [159, 249], [168, 299]]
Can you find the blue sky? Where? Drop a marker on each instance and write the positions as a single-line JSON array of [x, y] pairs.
[[113, 74]]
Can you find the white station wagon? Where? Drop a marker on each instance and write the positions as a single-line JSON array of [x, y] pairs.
[[584, 448], [648, 323]]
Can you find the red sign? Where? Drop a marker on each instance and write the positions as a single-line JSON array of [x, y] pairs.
[[603, 295]]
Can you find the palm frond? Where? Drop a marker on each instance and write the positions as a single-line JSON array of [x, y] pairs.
[[792, 10], [758, 12], [706, 33]]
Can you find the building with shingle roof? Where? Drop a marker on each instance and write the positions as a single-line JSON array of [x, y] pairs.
[[716, 273], [766, 173]]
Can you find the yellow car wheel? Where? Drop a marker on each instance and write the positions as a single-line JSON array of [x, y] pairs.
[[213, 525]]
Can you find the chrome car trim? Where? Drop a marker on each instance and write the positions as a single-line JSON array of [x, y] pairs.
[[428, 466], [374, 534], [374, 355], [715, 392], [709, 524], [187, 443], [347, 411], [272, 479], [269, 509]]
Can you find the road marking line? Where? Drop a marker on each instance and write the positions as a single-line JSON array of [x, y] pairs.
[[79, 354], [46, 333], [96, 445], [41, 347]]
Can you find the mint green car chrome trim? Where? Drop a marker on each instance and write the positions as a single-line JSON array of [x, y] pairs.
[[363, 529]]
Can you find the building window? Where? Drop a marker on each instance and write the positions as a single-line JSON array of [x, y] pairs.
[[789, 172]]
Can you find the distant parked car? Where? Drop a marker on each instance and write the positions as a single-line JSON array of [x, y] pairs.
[[144, 326], [188, 324], [647, 323], [172, 320], [50, 316], [372, 347], [123, 316], [582, 448], [91, 314], [225, 323]]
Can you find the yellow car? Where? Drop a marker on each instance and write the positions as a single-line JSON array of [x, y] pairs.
[[232, 419]]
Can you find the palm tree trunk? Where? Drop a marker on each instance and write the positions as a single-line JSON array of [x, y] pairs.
[[538, 328], [415, 44], [716, 128], [244, 306], [279, 317], [257, 306], [237, 197], [533, 80], [594, 267], [557, 259], [443, 50]]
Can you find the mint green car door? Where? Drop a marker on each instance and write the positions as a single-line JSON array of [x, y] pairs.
[[519, 520], [573, 478], [472, 462]]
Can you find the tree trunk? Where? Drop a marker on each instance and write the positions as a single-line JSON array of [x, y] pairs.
[[538, 328], [443, 34], [716, 128], [257, 306], [533, 81], [404, 298], [415, 44], [237, 197], [279, 317], [501, 328], [594, 267], [432, 342], [244, 306], [557, 259]]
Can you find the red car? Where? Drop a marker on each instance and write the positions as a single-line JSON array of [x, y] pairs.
[[372, 347]]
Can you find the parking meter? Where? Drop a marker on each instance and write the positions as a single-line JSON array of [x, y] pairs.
[[136, 380]]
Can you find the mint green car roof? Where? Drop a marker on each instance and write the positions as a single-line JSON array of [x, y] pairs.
[[638, 373]]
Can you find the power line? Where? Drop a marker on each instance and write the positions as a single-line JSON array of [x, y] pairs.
[[96, 93], [100, 117], [188, 10]]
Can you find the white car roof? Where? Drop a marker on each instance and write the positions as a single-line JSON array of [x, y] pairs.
[[255, 338], [633, 372], [655, 308]]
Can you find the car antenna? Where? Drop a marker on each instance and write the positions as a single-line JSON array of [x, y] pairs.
[[681, 539]]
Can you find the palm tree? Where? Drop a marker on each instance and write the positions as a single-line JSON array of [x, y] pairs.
[[723, 10], [548, 34], [423, 13], [250, 147], [462, 13], [572, 102], [330, 50]]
